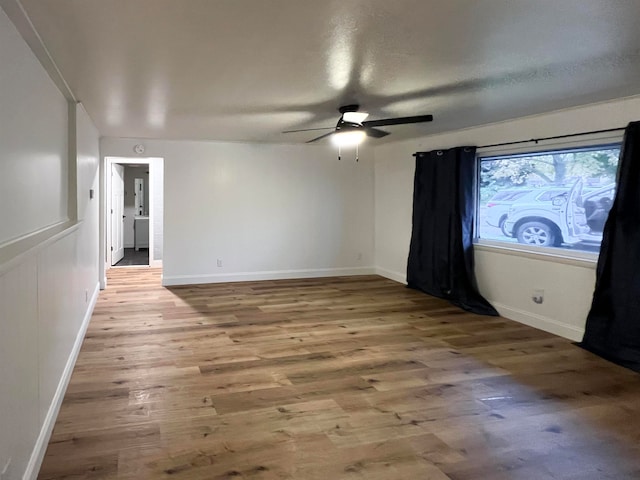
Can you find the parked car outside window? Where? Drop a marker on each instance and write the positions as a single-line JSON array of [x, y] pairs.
[[498, 207], [570, 217]]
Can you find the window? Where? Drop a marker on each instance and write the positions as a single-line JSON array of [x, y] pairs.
[[559, 199]]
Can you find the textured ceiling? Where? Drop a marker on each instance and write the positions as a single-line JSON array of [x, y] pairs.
[[245, 70]]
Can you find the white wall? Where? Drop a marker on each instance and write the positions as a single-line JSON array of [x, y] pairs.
[[506, 280], [87, 147], [48, 279], [266, 211], [33, 141]]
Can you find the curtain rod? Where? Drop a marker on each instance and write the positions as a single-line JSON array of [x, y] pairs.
[[557, 137]]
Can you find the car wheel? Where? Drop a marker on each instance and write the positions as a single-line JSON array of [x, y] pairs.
[[504, 230], [536, 233]]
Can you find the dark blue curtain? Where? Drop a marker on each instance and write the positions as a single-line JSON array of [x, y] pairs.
[[441, 251], [613, 324]]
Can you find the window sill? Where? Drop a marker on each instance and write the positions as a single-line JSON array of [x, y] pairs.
[[555, 255]]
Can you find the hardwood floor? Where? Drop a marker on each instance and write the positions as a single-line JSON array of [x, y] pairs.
[[336, 378]]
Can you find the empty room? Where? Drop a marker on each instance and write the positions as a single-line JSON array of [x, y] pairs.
[[302, 239]]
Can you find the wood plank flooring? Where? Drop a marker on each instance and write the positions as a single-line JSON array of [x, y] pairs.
[[335, 378]]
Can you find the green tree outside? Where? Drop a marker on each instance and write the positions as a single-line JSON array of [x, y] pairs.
[[595, 167]]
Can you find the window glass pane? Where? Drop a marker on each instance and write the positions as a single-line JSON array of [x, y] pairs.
[[555, 199]]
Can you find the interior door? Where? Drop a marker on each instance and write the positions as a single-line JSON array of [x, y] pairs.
[[117, 213]]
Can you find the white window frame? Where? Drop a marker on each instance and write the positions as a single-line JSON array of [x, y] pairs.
[[553, 254]]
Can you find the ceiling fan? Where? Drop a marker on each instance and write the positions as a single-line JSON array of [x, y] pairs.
[[352, 128]]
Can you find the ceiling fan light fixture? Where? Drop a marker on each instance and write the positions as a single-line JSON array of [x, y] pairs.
[[348, 138], [355, 117]]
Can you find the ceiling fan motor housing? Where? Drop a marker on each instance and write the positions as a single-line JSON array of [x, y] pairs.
[[344, 126], [349, 108]]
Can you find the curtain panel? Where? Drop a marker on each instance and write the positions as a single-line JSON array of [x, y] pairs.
[[613, 324], [441, 251]]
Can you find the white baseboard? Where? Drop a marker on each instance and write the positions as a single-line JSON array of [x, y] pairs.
[[169, 280], [538, 321], [533, 320], [40, 448], [396, 276]]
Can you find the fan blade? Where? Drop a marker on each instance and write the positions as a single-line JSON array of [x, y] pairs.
[[375, 132], [355, 117], [308, 129], [320, 137], [398, 121]]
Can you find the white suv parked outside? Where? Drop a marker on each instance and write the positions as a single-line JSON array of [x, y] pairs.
[[569, 217]]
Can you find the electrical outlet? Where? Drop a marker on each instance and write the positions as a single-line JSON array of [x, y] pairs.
[[359, 256], [219, 262], [4, 474], [86, 296], [538, 295]]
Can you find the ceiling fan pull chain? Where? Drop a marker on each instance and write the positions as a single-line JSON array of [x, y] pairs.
[[357, 153], [339, 154]]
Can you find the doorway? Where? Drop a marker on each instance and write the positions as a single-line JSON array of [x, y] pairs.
[[133, 211]]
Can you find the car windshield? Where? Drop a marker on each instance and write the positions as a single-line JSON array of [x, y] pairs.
[[550, 194]]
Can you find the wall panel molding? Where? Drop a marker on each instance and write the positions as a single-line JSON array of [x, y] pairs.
[[40, 448]]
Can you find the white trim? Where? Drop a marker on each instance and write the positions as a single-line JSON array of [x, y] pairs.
[[106, 213], [555, 255], [152, 208], [28, 245], [39, 231], [155, 263], [540, 322], [40, 448], [395, 276], [169, 280]]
